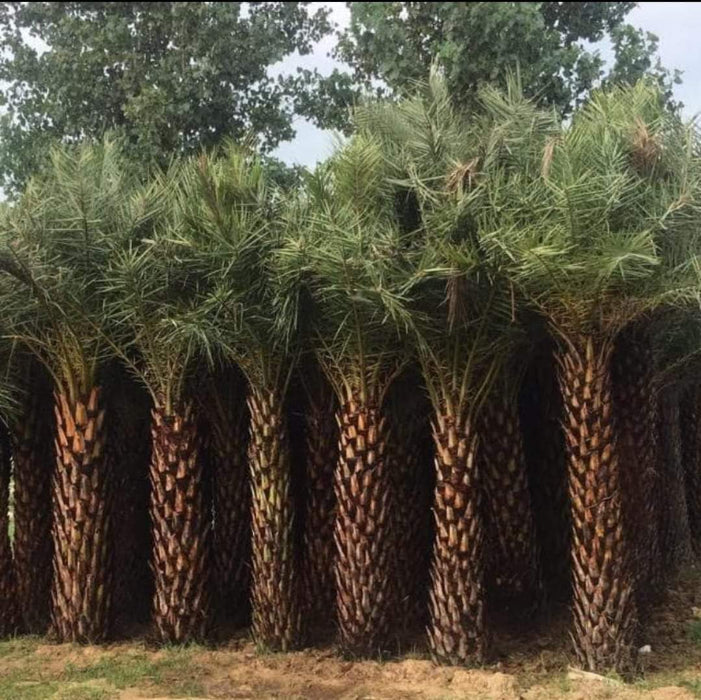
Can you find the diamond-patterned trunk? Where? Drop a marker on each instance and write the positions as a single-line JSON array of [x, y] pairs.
[[81, 589], [226, 411], [457, 630], [9, 610], [604, 608], [675, 534], [275, 587], [364, 556], [31, 434], [516, 568], [635, 403], [321, 436], [180, 527]]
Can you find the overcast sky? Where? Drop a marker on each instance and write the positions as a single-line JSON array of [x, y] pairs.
[[677, 24]]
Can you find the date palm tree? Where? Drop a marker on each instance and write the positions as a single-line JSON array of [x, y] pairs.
[[154, 299], [595, 238], [465, 328], [344, 246], [234, 221], [59, 241]]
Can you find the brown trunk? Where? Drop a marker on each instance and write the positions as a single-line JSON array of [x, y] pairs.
[[180, 527], [364, 554], [516, 568], [82, 579], [130, 449], [457, 631], [603, 584], [320, 509], [635, 405], [275, 587], [31, 435], [9, 610], [545, 452], [675, 535], [225, 408]]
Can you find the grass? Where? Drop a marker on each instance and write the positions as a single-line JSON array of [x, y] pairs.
[[694, 631], [28, 673]]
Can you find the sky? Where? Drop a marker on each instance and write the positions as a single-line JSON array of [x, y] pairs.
[[676, 24]]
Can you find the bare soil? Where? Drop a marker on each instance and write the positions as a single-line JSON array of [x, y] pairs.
[[530, 662]]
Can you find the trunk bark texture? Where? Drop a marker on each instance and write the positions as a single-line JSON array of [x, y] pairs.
[[604, 610], [180, 527], [81, 591], [275, 586], [457, 629]]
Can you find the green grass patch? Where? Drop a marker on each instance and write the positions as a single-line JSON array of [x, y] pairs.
[[694, 631], [693, 686], [101, 677]]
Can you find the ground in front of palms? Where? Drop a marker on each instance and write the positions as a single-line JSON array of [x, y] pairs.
[[531, 664]]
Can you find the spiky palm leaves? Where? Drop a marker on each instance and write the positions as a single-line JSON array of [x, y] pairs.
[[153, 299], [582, 239], [344, 246], [59, 239], [233, 217], [462, 336]]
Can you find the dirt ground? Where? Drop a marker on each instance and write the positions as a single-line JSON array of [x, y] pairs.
[[532, 664]]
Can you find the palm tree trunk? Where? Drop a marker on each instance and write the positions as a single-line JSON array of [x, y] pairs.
[[690, 417], [603, 587], [32, 448], [321, 436], [9, 610], [81, 589], [457, 630], [517, 568], [364, 554], [180, 527], [231, 495], [675, 534], [635, 405], [275, 587], [130, 447]]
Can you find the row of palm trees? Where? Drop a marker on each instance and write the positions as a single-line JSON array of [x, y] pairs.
[[471, 260]]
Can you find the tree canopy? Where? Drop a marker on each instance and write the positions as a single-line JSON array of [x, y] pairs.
[[170, 77], [391, 45]]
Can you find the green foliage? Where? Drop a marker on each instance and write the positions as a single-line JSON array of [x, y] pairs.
[[168, 77], [463, 310], [605, 231], [57, 243], [390, 45], [343, 255], [694, 631], [199, 285]]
